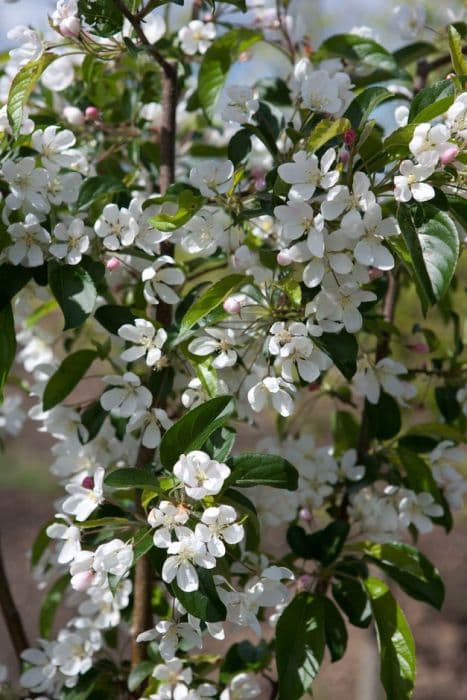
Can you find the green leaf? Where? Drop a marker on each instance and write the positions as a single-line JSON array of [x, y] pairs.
[[239, 146], [192, 430], [66, 377], [345, 431], [139, 674], [21, 88], [300, 645], [245, 656], [342, 348], [324, 545], [335, 631], [364, 103], [395, 642], [413, 52], [432, 101], [414, 573], [211, 299], [218, 60], [74, 289], [50, 604], [352, 598], [7, 344], [361, 50], [112, 316], [188, 204], [262, 470], [132, 478], [14, 278], [439, 431], [144, 541], [95, 187], [243, 504], [455, 47], [103, 16], [204, 603], [434, 251], [326, 130], [220, 444], [92, 418], [40, 544], [384, 418]]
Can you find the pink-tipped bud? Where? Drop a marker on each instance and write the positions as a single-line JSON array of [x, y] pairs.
[[419, 348], [82, 581], [374, 273], [305, 514], [449, 155], [314, 386], [450, 76], [344, 157], [70, 27], [283, 258], [304, 581], [73, 115], [232, 305], [88, 483], [92, 113], [349, 137], [112, 264]]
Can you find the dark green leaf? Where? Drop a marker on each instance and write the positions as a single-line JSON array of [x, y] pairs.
[[361, 50], [342, 348], [384, 418], [14, 278], [132, 478], [192, 430], [326, 130], [413, 52], [345, 431], [324, 545], [74, 290], [112, 316], [395, 642], [364, 103], [220, 444], [103, 16], [66, 377], [211, 299], [7, 344], [50, 604], [239, 146], [188, 204], [144, 541], [447, 402], [139, 674], [94, 187], [352, 598], [92, 419], [262, 470], [245, 656], [432, 101], [300, 645], [335, 631], [204, 603]]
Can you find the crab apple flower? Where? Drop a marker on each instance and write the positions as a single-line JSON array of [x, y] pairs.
[[196, 37], [189, 550], [164, 519], [409, 21], [82, 501], [116, 226], [243, 686], [63, 188], [206, 231], [241, 104], [320, 92], [429, 143], [145, 341], [305, 174], [31, 47], [73, 115], [150, 423], [127, 395], [385, 375], [27, 125], [218, 526], [213, 178], [369, 249], [457, 116], [275, 391], [340, 199], [410, 183], [28, 184], [171, 634], [218, 341], [114, 557], [298, 219], [54, 147], [159, 279], [201, 476], [70, 241], [70, 535], [41, 676], [340, 305], [449, 155], [29, 240], [348, 467], [418, 509]]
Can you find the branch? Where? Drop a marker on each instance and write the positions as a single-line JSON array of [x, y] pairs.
[[10, 613], [424, 68]]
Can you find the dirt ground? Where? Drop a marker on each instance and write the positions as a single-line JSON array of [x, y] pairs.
[[441, 637]]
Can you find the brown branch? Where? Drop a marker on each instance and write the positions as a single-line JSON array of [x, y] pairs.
[[10, 613], [424, 68]]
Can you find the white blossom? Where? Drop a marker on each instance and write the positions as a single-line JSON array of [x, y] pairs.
[[189, 550], [159, 279], [241, 104], [54, 147], [409, 21], [276, 392], [150, 423], [305, 174], [29, 240], [410, 183], [218, 525], [196, 37], [212, 177], [28, 184], [201, 476], [219, 342], [145, 341], [116, 226], [418, 509], [71, 241], [83, 501], [164, 519], [127, 396]]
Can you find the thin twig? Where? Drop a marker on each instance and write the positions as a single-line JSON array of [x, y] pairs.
[[11, 615]]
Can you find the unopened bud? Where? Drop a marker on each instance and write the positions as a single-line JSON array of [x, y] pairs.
[[88, 483], [232, 305], [374, 273], [82, 581], [304, 581], [73, 115], [305, 514], [349, 137], [112, 264], [91, 113], [344, 157], [283, 258], [70, 27], [450, 76], [314, 386], [449, 155], [419, 348]]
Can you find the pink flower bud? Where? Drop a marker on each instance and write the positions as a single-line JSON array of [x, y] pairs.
[[283, 258], [344, 157], [349, 137], [88, 482], [450, 76], [314, 385], [305, 514], [91, 113], [73, 115], [112, 264], [70, 27], [419, 348], [304, 581], [232, 305], [449, 155], [82, 581], [375, 273]]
